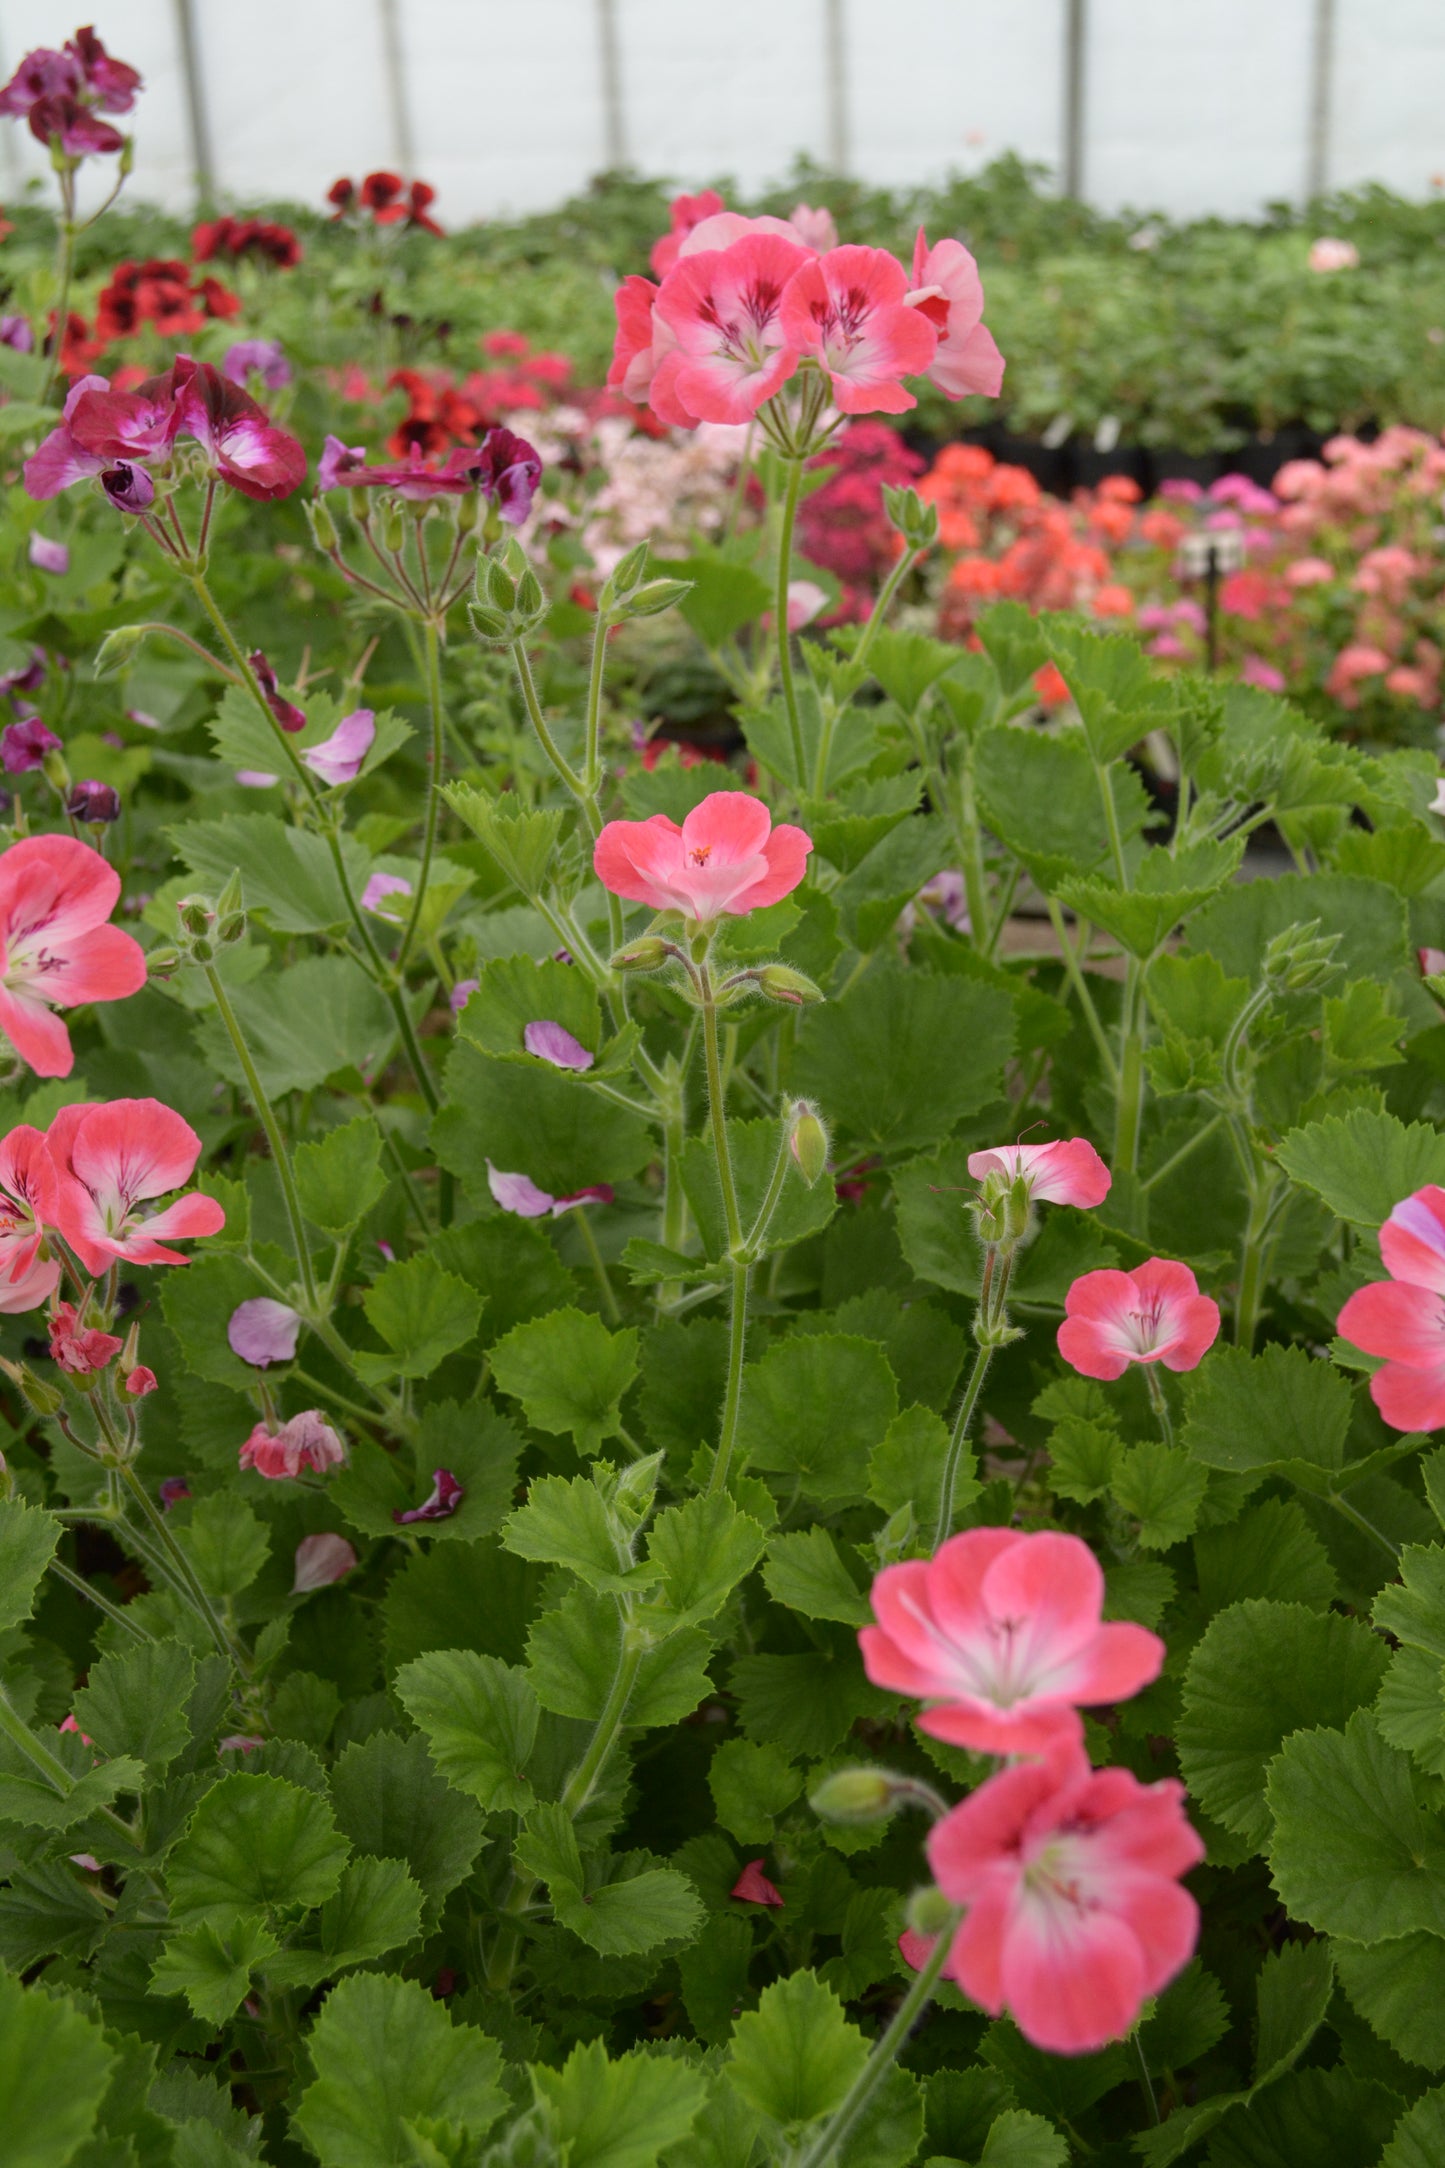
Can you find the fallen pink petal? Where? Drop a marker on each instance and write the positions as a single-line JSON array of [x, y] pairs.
[[321, 1560], [263, 1331]]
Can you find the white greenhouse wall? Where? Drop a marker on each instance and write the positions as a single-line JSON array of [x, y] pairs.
[[1186, 105]]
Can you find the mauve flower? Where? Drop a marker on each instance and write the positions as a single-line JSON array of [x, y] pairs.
[[338, 759], [256, 779], [115, 1157], [550, 1042], [263, 1331], [24, 745], [851, 312], [42, 73], [377, 890], [519, 1193], [1001, 1634], [93, 802], [16, 333], [306, 1441], [288, 715], [79, 1349], [337, 461], [81, 131], [28, 677], [261, 357], [949, 292], [752, 1887], [1071, 1879], [56, 897], [60, 459], [725, 858], [441, 1502], [461, 994], [1154, 1314], [113, 82], [1068, 1171], [173, 1488], [320, 1560], [48, 556], [1254, 670]]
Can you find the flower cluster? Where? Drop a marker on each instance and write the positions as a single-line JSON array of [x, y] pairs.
[[159, 294], [385, 200], [235, 238], [62, 95]]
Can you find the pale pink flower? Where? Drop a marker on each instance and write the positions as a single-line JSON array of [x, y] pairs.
[[849, 311], [30, 1289], [725, 858], [550, 1042], [1154, 1314], [1254, 670], [263, 1331], [805, 599], [378, 892], [338, 759], [1001, 1633], [724, 308], [1068, 1171], [519, 1193], [722, 228], [1431, 961], [687, 212], [111, 1160], [1309, 572], [1353, 664], [1071, 1877], [949, 291], [461, 994], [48, 556], [239, 1742], [816, 229], [306, 1441], [320, 1560], [1328, 254]]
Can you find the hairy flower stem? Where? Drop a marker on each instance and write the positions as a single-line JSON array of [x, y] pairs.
[[1253, 1253], [823, 2151], [432, 638], [732, 1399], [953, 1461], [737, 1249], [780, 617], [183, 1570], [115, 1612], [1158, 1402], [1080, 984], [65, 268], [279, 1154], [1129, 1105]]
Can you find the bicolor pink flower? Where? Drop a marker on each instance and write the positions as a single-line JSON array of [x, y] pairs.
[[849, 311], [1154, 1314], [29, 1195], [724, 308], [338, 759], [60, 459], [126, 425], [1068, 1171], [337, 461], [1071, 1877], [111, 1160], [78, 128], [725, 858], [24, 745], [722, 228], [687, 212], [56, 947], [379, 890], [239, 1742], [43, 73], [520, 1194], [550, 1042], [320, 1560], [112, 83], [79, 1349], [1412, 1240], [441, 1502], [48, 556], [949, 292], [262, 1331], [752, 1887], [243, 447], [1001, 1633], [306, 1441]]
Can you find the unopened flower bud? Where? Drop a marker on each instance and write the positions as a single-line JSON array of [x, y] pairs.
[[808, 1143], [635, 1489], [646, 954], [42, 1398], [161, 962], [231, 928], [136, 1383], [929, 1913], [530, 598], [854, 1795], [656, 596], [94, 803], [116, 650], [203, 950], [393, 527], [7, 1480], [916, 521], [231, 899], [779, 982], [195, 914], [322, 525], [627, 573], [501, 588], [1301, 960], [467, 508], [487, 624]]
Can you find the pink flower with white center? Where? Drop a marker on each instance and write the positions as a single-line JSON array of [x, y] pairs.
[[849, 311], [949, 291], [60, 459], [1068, 1171], [520, 1194], [139, 424], [56, 947], [377, 894], [1254, 670], [242, 445], [1075, 1913], [263, 1331], [1154, 1314], [805, 599], [724, 307], [306, 1441], [1001, 1633], [29, 1194], [442, 1501], [110, 1160], [338, 759], [550, 1042], [725, 858], [320, 1560]]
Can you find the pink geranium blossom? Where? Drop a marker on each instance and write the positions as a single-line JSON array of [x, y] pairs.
[[520, 1194], [306, 1441], [29, 1194], [28, 1290], [56, 947], [849, 311], [379, 891], [816, 229], [114, 1158], [1154, 1314], [1001, 1633], [725, 858], [1329, 254], [687, 212], [48, 556], [79, 1349], [949, 292], [1075, 1913], [320, 1560], [1068, 1171], [1403, 1318], [724, 309], [338, 759]]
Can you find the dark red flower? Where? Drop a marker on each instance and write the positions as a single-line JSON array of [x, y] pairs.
[[80, 129], [341, 194], [93, 801], [379, 193], [236, 237], [422, 195], [445, 1496], [286, 712], [217, 300], [113, 83]]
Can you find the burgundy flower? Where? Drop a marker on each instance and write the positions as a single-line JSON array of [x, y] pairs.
[[80, 129], [28, 678], [420, 198], [244, 447], [752, 1887], [130, 489], [342, 194], [236, 237], [24, 745], [173, 1489], [508, 470], [379, 192], [112, 82], [41, 74], [286, 712], [337, 461], [93, 802], [139, 424], [445, 1496]]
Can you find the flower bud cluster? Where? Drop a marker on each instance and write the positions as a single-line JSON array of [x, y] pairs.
[[628, 592], [207, 926], [509, 604]]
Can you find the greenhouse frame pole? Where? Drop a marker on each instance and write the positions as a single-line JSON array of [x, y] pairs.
[[1076, 39], [614, 112], [1322, 73], [394, 62], [835, 49], [197, 119]]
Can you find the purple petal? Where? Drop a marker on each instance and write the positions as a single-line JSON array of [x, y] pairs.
[[461, 994], [550, 1042], [24, 745], [48, 556], [320, 1560], [378, 888], [263, 1332], [518, 1193], [599, 1193], [338, 758], [446, 1495], [256, 778]]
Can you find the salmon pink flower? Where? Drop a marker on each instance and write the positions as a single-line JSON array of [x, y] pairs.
[[28, 1290], [1328, 254], [949, 292], [320, 1560], [1001, 1632], [1412, 1240], [642, 339], [849, 311], [1154, 1314], [1069, 1171], [338, 759], [726, 857], [112, 1158], [79, 1349], [440, 1504], [56, 949], [1406, 1324], [724, 308], [1071, 1877], [138, 1382], [306, 1441], [752, 1887]]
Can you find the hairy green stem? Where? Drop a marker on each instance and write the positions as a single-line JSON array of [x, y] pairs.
[[732, 1399], [1159, 1402], [823, 2151], [432, 640], [66, 262], [281, 1158], [780, 618], [184, 1571], [599, 1268], [1129, 1104], [52, 1768], [113, 1611], [1069, 956], [953, 1460]]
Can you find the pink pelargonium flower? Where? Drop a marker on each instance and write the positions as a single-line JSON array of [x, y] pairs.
[[1329, 254], [550, 1042], [725, 858], [79, 1348], [30, 1289], [520, 1194], [306, 1441], [849, 311], [110, 1160], [378, 892], [1412, 1240], [1154, 1314], [56, 947], [262, 1331], [642, 340], [43, 73], [338, 759], [1001, 1633], [815, 228], [320, 1560], [1071, 1877], [1068, 1171], [1406, 1324], [29, 1196], [723, 306], [949, 292], [60, 459], [1254, 670], [687, 212], [240, 442]]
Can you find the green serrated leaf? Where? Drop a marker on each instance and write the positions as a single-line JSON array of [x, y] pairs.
[[255, 1843], [569, 1372], [387, 2054], [479, 1718], [422, 1312], [339, 1179]]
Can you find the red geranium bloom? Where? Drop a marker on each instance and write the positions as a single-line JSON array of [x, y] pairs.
[[111, 1159], [57, 948], [378, 195]]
